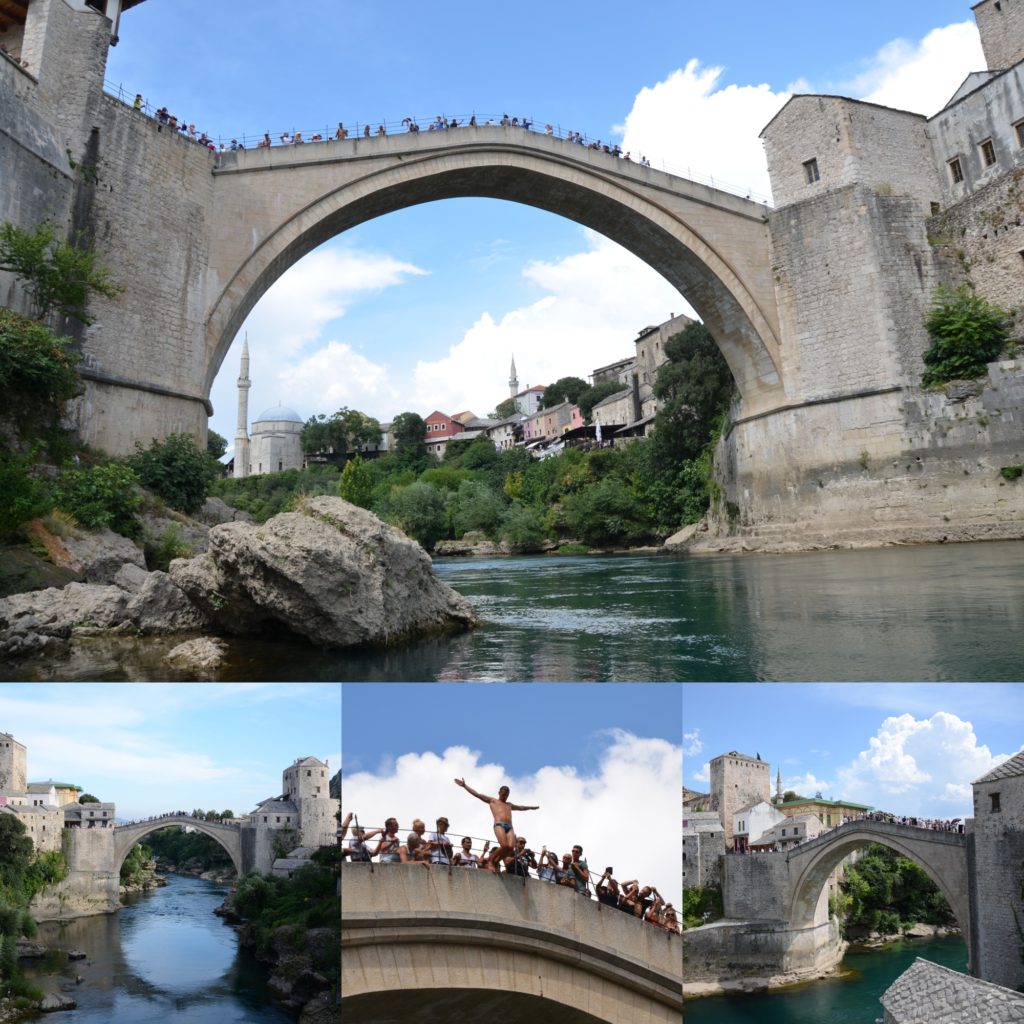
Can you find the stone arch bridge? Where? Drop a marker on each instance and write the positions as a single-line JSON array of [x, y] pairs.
[[942, 856], [229, 837], [468, 945]]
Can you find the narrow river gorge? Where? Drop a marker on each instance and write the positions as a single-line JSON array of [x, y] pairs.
[[163, 958]]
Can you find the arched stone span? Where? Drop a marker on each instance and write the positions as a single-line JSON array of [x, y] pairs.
[[228, 836], [942, 855], [462, 939], [273, 206]]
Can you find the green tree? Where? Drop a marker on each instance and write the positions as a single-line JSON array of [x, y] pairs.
[[346, 430], [476, 507], [176, 470], [419, 511], [15, 851], [23, 494], [58, 276], [88, 798], [216, 445], [966, 331], [522, 528], [694, 389], [357, 482], [589, 398], [506, 409], [409, 430], [102, 495], [607, 513], [565, 389]]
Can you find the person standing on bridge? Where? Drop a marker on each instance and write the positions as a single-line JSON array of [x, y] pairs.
[[501, 811]]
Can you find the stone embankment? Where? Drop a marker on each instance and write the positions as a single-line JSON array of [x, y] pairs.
[[331, 573]]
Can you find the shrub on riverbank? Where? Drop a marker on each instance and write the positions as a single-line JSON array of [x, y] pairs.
[[699, 901]]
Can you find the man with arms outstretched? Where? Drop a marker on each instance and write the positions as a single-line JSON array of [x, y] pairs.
[[501, 810]]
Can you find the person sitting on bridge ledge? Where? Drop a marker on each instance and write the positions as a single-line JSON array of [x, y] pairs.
[[501, 811], [390, 849], [417, 848]]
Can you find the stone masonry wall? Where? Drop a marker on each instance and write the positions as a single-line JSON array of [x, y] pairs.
[[853, 275], [981, 240], [735, 782], [881, 149], [754, 886], [997, 881], [1001, 26]]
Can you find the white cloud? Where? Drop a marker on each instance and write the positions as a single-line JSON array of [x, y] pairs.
[[596, 302], [919, 766], [920, 76], [332, 377], [692, 743], [320, 288], [716, 128], [634, 792], [808, 784], [704, 775]]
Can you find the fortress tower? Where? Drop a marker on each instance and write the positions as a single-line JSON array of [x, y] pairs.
[[995, 864], [306, 785], [13, 765], [737, 780]]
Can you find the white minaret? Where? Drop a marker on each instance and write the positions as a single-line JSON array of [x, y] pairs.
[[778, 785], [513, 380], [242, 430]]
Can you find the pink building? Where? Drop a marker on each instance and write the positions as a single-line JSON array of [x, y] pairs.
[[441, 428], [549, 423]]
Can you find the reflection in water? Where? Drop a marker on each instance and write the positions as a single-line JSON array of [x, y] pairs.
[[163, 958]]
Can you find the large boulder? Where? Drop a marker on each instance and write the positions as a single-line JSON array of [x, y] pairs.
[[100, 553], [333, 573]]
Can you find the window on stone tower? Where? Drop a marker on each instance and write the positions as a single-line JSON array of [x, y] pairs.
[[956, 172], [988, 153], [811, 170], [994, 797], [1019, 129]]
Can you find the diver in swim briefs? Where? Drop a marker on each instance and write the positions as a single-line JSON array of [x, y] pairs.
[[501, 811]]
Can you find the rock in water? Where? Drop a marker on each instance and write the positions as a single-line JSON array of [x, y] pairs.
[[333, 573], [54, 1002]]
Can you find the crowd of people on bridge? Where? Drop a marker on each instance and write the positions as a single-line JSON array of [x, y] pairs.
[[188, 130], [509, 856], [199, 816]]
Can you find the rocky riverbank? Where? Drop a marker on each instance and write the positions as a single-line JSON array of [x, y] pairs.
[[331, 574], [195, 868]]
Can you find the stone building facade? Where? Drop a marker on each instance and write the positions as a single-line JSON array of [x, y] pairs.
[[33, 805], [737, 780], [13, 765], [996, 874], [703, 849]]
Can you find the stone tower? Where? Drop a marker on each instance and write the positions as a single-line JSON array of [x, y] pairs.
[[307, 786], [995, 875], [513, 380], [737, 780], [13, 765], [242, 430]]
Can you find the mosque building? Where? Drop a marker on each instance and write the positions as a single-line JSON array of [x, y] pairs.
[[275, 444]]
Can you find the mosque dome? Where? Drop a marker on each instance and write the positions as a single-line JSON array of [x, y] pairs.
[[279, 413]]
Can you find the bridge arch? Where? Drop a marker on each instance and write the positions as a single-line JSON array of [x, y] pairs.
[[228, 837], [710, 245], [942, 856]]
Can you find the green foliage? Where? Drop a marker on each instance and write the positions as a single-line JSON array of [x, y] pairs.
[[476, 507], [59, 276], [565, 389], [589, 398], [506, 409], [887, 893], [476, 453], [103, 495], [216, 445], [1011, 472], [23, 494], [419, 511], [37, 374], [346, 430], [607, 514], [176, 470], [88, 798], [522, 529], [192, 848], [170, 545], [267, 494], [697, 902], [409, 430], [135, 868], [16, 852], [966, 331], [356, 483], [47, 868]]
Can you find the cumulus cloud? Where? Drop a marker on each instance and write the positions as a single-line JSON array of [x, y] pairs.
[[808, 784], [334, 376], [704, 775], [717, 127], [919, 766], [633, 791], [692, 743], [595, 303]]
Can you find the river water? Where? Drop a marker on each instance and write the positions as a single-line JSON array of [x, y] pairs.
[[850, 998], [163, 958], [935, 612]]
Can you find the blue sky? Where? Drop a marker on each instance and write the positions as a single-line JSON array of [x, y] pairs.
[[910, 748], [153, 747], [423, 308], [594, 758]]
